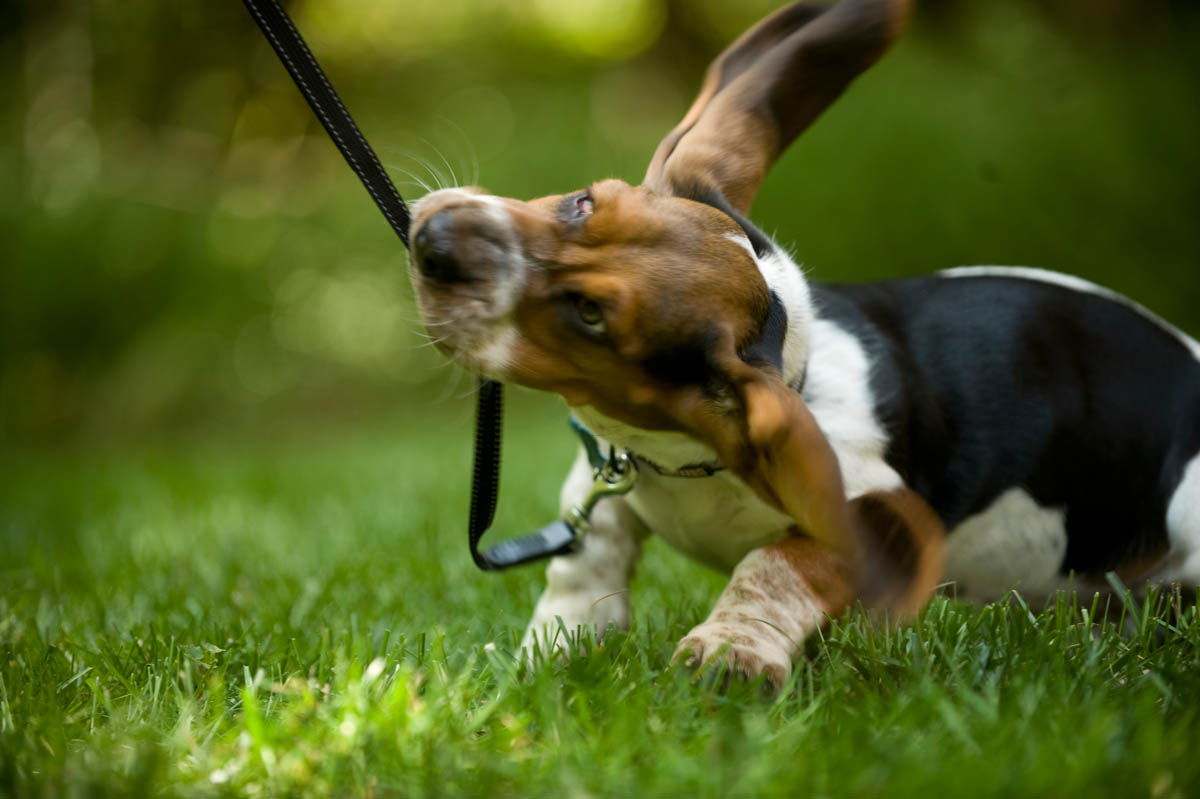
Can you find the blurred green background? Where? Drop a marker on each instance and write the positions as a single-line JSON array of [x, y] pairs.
[[185, 251]]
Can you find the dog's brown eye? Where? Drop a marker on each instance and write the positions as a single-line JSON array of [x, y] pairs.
[[590, 313], [584, 205]]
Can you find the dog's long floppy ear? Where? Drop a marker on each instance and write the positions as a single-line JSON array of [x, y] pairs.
[[766, 434], [766, 88], [762, 431]]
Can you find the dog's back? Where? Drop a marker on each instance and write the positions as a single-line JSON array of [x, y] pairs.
[[1025, 399]]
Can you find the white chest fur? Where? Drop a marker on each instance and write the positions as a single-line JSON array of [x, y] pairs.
[[716, 520]]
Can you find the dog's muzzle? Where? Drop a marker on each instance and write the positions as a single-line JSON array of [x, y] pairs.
[[467, 242], [434, 249], [467, 271]]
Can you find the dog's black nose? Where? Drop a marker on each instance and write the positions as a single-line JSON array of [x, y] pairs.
[[433, 249]]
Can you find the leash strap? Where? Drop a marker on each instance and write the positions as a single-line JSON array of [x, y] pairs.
[[310, 79], [557, 538], [590, 445], [277, 26]]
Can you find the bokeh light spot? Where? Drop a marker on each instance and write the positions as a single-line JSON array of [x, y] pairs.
[[612, 29]]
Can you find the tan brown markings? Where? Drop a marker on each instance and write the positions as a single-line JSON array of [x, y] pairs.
[[904, 546]]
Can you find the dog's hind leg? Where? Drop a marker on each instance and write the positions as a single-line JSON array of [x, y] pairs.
[[1183, 529], [588, 589]]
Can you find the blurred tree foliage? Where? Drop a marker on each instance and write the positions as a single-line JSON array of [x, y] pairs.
[[183, 245]]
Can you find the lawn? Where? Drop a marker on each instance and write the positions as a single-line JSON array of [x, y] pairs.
[[293, 612]]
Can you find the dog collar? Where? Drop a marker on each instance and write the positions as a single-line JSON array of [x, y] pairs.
[[688, 470], [596, 458]]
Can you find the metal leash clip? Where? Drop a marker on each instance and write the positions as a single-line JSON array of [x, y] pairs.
[[616, 476]]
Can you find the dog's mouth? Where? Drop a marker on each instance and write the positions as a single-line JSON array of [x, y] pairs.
[[467, 269]]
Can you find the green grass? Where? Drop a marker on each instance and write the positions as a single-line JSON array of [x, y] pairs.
[[298, 616]]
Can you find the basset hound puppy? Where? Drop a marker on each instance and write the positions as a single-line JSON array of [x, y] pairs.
[[1052, 427]]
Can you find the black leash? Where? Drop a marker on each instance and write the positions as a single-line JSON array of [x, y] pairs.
[[277, 26], [557, 537]]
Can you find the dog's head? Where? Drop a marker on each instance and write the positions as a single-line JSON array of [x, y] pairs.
[[660, 305]]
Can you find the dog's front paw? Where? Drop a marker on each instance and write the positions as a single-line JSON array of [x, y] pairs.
[[737, 646], [553, 636], [560, 619]]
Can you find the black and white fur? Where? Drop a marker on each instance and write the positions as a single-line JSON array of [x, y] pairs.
[[1054, 426]]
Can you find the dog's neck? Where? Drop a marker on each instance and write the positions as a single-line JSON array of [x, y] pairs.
[[669, 450], [672, 450]]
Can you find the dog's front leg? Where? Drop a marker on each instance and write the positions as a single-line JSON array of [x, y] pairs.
[[779, 595], [590, 588]]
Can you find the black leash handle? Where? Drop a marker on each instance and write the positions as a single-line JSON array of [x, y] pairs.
[[277, 26], [556, 538]]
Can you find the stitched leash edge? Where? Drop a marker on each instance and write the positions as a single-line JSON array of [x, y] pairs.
[[331, 112], [310, 79]]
